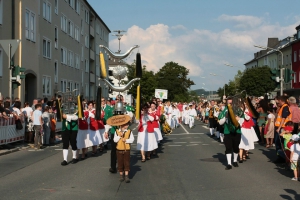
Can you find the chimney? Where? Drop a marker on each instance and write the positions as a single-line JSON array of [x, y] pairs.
[[272, 42]]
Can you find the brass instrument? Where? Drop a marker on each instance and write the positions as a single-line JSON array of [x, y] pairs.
[[234, 109]]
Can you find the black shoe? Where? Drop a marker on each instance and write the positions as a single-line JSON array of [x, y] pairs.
[[127, 180], [241, 161], [112, 170], [74, 161], [64, 163], [105, 146], [212, 136], [235, 164], [228, 167]]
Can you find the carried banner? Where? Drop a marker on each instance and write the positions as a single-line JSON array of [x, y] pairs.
[[162, 94]]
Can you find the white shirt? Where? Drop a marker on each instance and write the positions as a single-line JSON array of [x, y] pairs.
[[28, 111], [193, 112], [296, 149], [128, 141], [36, 117]]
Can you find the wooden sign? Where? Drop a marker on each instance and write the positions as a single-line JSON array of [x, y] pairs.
[[118, 120]]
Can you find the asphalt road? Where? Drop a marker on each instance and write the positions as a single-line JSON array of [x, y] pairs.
[[190, 165]]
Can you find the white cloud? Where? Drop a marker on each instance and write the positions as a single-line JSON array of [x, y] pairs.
[[202, 51], [242, 21]]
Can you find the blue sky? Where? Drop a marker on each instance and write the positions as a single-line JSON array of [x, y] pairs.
[[200, 35]]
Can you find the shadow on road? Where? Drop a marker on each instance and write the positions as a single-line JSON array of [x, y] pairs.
[[292, 192]]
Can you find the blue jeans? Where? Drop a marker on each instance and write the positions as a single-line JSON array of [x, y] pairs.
[[277, 140]]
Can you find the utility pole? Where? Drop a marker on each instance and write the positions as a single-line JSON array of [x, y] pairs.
[[119, 35]]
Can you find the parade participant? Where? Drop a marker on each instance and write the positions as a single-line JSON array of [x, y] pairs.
[[186, 116], [212, 119], [220, 128], [83, 141], [232, 133], [123, 137], [146, 140], [248, 136], [155, 122], [192, 115], [168, 112], [180, 108], [38, 125], [69, 135], [113, 152], [108, 112], [294, 157], [94, 132]]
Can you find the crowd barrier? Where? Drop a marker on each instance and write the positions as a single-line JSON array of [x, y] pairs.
[[8, 131]]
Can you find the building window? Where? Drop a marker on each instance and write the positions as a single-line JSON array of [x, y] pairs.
[[63, 85], [295, 78], [82, 51], [55, 72], [76, 87], [97, 28], [77, 66], [1, 11], [47, 11], [86, 65], [70, 86], [63, 55], [77, 6], [76, 33], [47, 48], [70, 28], [63, 23], [70, 58], [55, 38], [71, 3], [86, 41], [1, 62], [56, 6], [30, 25], [46, 85], [295, 56], [87, 91], [81, 25], [86, 16]]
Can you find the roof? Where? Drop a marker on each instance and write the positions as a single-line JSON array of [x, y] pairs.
[[92, 9]]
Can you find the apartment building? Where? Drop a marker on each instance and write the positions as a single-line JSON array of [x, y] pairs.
[[59, 47]]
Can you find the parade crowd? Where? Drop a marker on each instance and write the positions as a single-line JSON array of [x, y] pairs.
[[238, 123]]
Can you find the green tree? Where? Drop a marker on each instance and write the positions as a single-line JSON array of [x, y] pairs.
[[147, 83], [173, 77], [257, 81]]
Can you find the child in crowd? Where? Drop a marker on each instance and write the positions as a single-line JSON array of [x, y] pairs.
[[123, 137], [294, 157], [287, 135]]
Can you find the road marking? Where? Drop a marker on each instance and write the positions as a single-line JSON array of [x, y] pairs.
[[185, 137], [174, 145], [54, 146], [36, 150], [172, 138], [58, 149], [195, 142], [214, 141], [179, 142], [192, 145], [205, 127], [196, 137], [184, 129], [205, 144]]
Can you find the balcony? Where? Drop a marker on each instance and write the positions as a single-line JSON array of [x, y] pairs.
[[92, 55], [92, 78], [92, 31]]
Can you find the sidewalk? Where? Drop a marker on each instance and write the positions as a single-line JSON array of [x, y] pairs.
[[20, 145]]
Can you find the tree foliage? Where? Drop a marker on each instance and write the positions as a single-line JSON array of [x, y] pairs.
[[171, 77], [257, 81]]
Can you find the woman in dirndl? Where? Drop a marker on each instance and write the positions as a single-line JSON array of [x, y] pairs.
[[146, 140]]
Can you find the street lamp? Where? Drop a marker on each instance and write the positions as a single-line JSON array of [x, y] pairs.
[[221, 76], [281, 70]]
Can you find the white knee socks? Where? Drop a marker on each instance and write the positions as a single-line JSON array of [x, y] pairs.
[[229, 158], [235, 156], [211, 130], [222, 137], [218, 134], [74, 154], [65, 154]]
